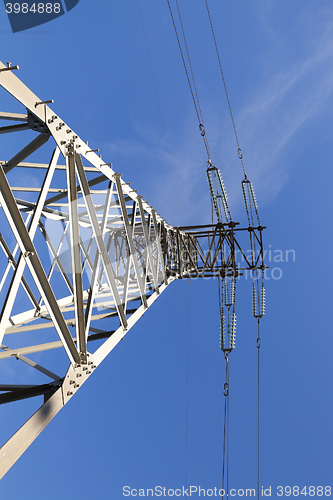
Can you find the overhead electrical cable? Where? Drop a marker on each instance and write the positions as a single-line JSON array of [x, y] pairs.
[[225, 447], [216, 186], [194, 97], [258, 430], [160, 112], [187, 343], [226, 91]]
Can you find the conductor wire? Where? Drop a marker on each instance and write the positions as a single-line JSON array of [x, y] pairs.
[[194, 97], [186, 415], [258, 429], [225, 451], [240, 155], [160, 112]]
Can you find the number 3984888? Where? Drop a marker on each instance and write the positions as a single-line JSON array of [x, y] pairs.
[[35, 8]]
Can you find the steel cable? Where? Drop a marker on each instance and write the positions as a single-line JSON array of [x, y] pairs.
[[240, 155], [195, 102], [160, 112]]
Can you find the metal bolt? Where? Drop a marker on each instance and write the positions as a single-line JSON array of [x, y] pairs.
[[69, 393]]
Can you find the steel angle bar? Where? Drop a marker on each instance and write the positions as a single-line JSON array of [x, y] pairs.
[[31, 363], [130, 239], [193, 242], [86, 252], [55, 256], [18, 274], [119, 334], [13, 264], [39, 141], [205, 262], [14, 117], [243, 254], [148, 246], [99, 238], [198, 248], [129, 259], [19, 352], [9, 265], [13, 387], [44, 166], [14, 128], [27, 248], [76, 255], [220, 247], [27, 392], [159, 247], [11, 451], [63, 195], [179, 255], [4, 277], [94, 277], [187, 248], [120, 248]]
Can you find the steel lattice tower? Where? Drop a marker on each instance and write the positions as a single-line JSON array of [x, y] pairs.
[[83, 258]]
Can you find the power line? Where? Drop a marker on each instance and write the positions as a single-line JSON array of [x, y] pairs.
[[226, 91], [160, 112], [258, 429], [194, 97], [186, 415]]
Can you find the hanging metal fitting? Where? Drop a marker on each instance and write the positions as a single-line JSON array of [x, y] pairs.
[[258, 342], [226, 389], [202, 129], [240, 154]]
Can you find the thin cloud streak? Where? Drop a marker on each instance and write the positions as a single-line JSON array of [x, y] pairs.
[[286, 102]]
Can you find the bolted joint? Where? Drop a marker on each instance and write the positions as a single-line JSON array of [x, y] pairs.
[[28, 253]]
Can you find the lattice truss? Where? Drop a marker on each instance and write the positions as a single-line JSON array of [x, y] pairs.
[[83, 257]]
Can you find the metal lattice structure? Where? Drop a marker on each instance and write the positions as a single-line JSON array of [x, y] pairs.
[[83, 257]]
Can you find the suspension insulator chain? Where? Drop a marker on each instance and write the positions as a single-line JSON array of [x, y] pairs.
[[228, 331], [218, 193]]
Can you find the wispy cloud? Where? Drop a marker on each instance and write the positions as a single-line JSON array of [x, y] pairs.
[[285, 101]]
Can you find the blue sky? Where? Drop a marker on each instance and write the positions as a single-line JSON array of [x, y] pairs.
[[127, 424]]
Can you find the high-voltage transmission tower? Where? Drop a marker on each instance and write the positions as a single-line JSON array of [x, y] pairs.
[[83, 257]]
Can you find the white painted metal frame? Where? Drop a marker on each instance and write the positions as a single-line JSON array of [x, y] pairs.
[[122, 255]]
